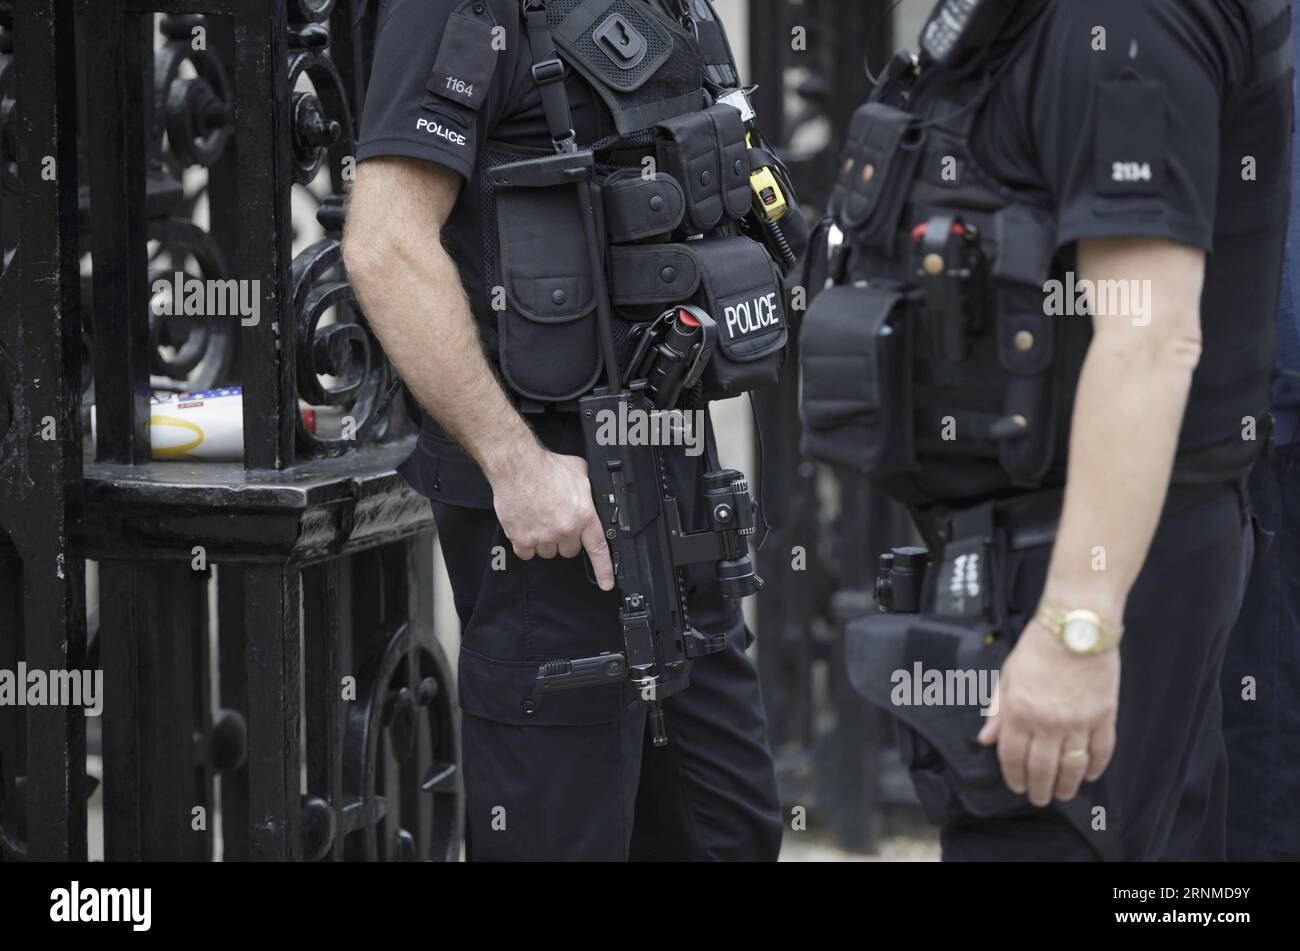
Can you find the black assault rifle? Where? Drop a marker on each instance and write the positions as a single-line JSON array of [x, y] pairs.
[[640, 515]]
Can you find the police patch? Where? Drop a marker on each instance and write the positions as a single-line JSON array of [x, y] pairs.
[[1130, 143], [752, 315], [466, 59]]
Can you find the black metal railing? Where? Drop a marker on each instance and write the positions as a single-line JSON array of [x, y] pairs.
[[264, 627]]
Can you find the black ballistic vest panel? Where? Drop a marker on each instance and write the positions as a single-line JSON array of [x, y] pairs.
[[934, 367]]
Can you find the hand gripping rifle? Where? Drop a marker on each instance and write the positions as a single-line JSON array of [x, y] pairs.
[[637, 509]]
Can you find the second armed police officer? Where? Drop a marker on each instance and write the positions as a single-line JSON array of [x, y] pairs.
[[1051, 334]]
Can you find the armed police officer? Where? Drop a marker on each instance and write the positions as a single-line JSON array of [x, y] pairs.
[[1051, 334], [529, 174]]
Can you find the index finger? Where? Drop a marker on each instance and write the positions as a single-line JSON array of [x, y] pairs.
[[593, 540]]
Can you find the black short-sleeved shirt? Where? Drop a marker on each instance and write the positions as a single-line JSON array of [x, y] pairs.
[[1139, 118], [448, 77]]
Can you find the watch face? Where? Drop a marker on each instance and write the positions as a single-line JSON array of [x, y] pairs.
[[1082, 634]]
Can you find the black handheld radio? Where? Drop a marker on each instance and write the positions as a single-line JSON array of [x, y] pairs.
[[959, 31]]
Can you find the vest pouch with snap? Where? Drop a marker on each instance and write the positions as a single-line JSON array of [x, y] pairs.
[[549, 349], [1041, 355], [705, 153], [878, 164], [856, 350], [734, 281], [640, 208]]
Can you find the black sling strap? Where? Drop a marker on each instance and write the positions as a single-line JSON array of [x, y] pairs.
[[548, 74]]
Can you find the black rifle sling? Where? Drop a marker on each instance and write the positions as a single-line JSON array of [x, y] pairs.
[[548, 74]]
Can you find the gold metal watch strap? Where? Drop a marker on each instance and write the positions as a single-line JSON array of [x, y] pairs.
[[1054, 620]]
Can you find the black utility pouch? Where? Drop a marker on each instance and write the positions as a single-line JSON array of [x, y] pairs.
[[856, 347], [742, 290], [640, 208], [1027, 340], [734, 281], [549, 348], [706, 153], [879, 162], [898, 662]]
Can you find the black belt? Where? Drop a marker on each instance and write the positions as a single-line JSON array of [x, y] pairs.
[[527, 407], [1031, 520]]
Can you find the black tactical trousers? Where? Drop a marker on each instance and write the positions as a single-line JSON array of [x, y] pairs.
[[574, 776], [1261, 678], [1164, 793]]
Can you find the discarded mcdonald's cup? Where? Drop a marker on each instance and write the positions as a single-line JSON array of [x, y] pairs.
[[200, 427]]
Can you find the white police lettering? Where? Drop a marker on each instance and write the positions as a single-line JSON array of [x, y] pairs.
[[1131, 171], [429, 127], [752, 316]]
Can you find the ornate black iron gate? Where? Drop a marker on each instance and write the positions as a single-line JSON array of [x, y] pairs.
[[316, 720]]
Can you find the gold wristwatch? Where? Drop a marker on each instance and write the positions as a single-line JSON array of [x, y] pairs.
[[1081, 632]]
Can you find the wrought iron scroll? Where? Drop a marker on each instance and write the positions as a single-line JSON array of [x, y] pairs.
[[198, 125]]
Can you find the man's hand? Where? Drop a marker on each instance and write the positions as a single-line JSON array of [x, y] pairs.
[[1053, 717], [544, 505], [415, 303]]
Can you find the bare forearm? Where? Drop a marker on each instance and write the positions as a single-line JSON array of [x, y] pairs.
[[412, 295], [1127, 416], [422, 318], [1128, 413], [414, 300]]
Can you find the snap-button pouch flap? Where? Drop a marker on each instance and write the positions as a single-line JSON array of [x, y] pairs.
[[878, 164], [653, 274], [734, 156], [688, 151], [1025, 237], [549, 348], [1026, 336], [637, 207], [547, 277], [548, 298]]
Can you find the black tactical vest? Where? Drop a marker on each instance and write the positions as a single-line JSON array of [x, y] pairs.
[[929, 363], [658, 75]]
